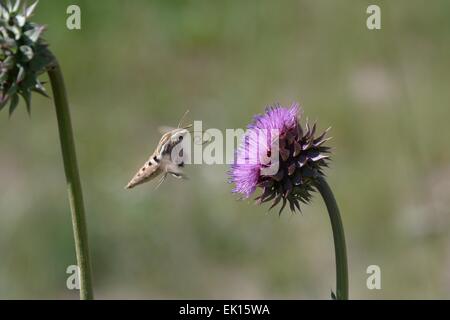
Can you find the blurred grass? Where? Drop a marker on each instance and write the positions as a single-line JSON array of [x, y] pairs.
[[139, 64]]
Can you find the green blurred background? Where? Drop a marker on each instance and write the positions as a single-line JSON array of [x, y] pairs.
[[136, 65]]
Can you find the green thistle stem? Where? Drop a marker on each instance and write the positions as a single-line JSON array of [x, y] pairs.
[[73, 180], [339, 238]]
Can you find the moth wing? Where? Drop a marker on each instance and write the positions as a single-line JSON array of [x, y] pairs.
[[173, 169], [165, 129], [163, 144]]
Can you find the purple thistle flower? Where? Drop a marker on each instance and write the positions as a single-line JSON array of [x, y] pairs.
[[279, 157]]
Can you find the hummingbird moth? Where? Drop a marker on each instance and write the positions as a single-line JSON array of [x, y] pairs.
[[160, 162]]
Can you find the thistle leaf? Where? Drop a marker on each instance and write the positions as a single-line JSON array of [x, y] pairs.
[[27, 52], [20, 74], [20, 20], [9, 5], [39, 88], [35, 33], [13, 104], [17, 32], [16, 6], [5, 13], [29, 11]]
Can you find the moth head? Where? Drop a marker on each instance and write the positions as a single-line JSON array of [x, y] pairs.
[[179, 134]]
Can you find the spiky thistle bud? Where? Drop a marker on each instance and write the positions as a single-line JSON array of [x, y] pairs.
[[23, 54], [301, 157]]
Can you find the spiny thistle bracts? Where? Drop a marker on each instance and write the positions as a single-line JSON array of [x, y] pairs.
[[23, 54], [301, 158]]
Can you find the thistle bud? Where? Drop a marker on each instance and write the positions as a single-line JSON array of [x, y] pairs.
[[23, 54]]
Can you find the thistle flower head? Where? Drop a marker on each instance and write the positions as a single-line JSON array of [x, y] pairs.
[[281, 157], [23, 54]]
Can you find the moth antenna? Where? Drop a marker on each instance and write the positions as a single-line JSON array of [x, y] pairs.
[[192, 131], [182, 118]]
